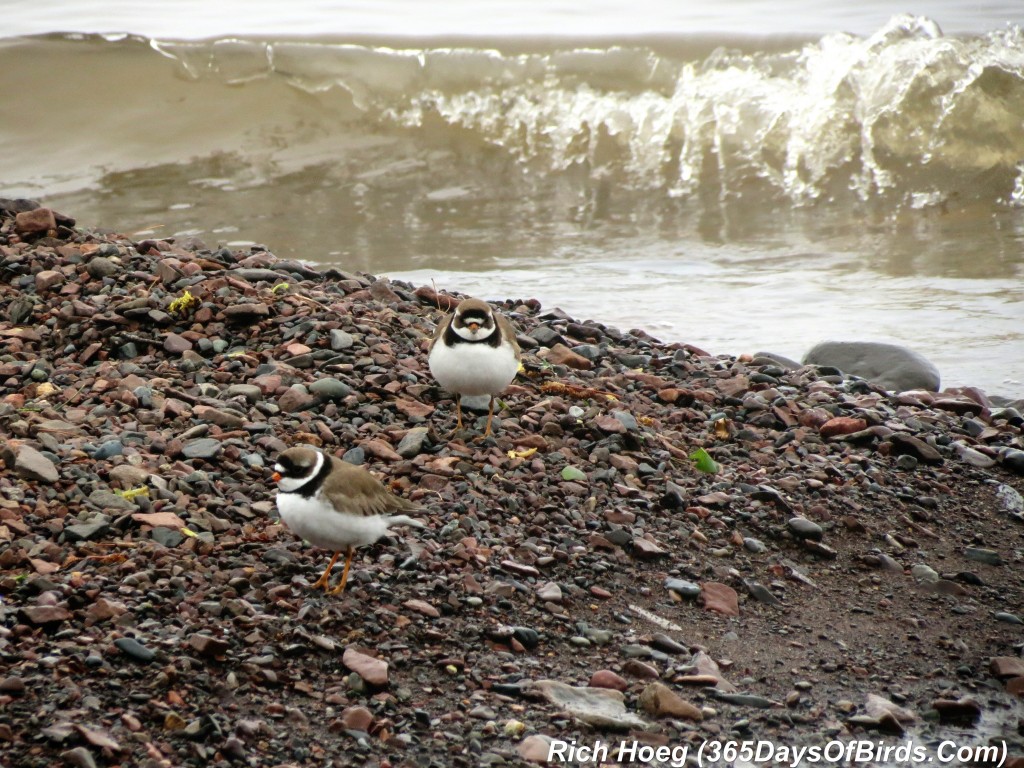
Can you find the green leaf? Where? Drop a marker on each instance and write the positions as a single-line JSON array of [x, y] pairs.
[[704, 462], [572, 473]]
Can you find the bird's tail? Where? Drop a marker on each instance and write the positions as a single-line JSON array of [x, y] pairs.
[[405, 520]]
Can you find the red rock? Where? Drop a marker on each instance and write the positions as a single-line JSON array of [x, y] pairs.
[[13, 686], [429, 482], [413, 407], [535, 748], [562, 355], [734, 386], [700, 681], [658, 700], [442, 301], [1006, 666], [357, 719], [103, 609], [620, 517], [421, 606], [47, 279], [813, 418], [605, 678], [624, 463], [373, 671], [878, 707], [221, 418], [720, 598], [381, 290], [674, 395], [907, 444], [169, 270], [98, 738], [1015, 686], [39, 221], [644, 549], [208, 646], [601, 593], [159, 519], [520, 569], [842, 425], [381, 449], [245, 312], [961, 407], [296, 400], [965, 710], [268, 382], [640, 670], [45, 614], [607, 423], [649, 380], [531, 441], [176, 344]]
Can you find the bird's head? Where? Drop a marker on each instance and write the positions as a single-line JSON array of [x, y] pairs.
[[474, 320], [296, 465]]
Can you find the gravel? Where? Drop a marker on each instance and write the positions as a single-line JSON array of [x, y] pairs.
[[155, 612]]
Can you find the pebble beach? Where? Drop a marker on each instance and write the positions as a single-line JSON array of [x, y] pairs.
[[658, 545]]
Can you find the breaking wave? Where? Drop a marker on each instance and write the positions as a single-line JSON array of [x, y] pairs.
[[907, 116]]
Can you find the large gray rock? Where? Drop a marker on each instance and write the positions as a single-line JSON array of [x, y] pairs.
[[889, 365], [599, 707], [32, 465]]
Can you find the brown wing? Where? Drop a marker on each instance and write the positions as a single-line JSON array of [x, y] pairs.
[[441, 328], [509, 332], [355, 491]]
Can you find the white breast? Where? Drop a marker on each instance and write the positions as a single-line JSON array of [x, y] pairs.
[[318, 523], [473, 369]]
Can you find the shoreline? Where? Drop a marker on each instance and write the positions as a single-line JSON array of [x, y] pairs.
[[847, 573]]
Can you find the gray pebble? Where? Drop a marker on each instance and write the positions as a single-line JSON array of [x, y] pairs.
[[906, 462], [413, 443], [355, 455], [100, 267], [341, 340], [803, 528], [108, 449], [924, 573], [330, 389], [134, 649], [167, 537], [979, 555], [203, 448], [250, 392], [683, 588]]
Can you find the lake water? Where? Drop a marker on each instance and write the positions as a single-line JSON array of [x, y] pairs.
[[741, 176]]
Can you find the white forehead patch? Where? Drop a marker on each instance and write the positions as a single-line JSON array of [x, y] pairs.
[[482, 332]]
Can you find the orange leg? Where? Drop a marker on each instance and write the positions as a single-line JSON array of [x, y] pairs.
[[458, 411], [490, 415], [325, 577], [344, 574]]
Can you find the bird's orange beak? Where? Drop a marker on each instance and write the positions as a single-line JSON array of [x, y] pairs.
[[474, 327], [276, 477]]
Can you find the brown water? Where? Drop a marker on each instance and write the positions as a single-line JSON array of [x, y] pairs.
[[735, 193]]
